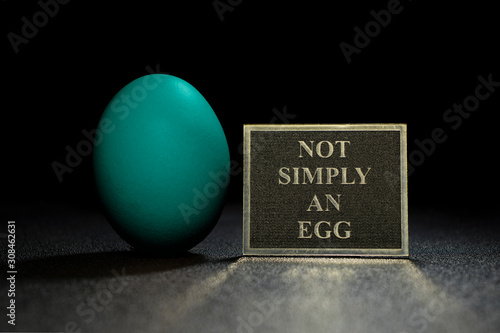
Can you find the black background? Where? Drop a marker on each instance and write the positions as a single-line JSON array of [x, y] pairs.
[[261, 57]]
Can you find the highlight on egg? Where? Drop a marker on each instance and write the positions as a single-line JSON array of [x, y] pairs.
[[162, 167]]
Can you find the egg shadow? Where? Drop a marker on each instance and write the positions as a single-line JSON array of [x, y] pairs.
[[102, 264]]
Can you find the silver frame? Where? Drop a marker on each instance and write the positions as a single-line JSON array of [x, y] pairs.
[[402, 252]]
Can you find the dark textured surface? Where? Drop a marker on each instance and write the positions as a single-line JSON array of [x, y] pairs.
[[68, 257]]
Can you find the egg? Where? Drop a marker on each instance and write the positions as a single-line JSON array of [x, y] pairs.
[[162, 165]]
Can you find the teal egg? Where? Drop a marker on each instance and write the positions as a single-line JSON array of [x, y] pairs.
[[161, 164]]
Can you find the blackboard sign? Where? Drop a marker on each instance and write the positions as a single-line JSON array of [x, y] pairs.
[[325, 190]]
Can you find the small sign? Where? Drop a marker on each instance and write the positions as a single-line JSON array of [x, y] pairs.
[[325, 190]]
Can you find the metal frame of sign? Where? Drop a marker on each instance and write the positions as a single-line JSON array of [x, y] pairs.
[[378, 252]]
